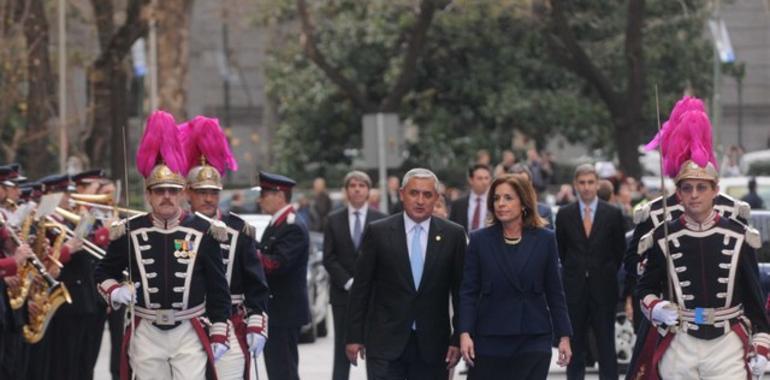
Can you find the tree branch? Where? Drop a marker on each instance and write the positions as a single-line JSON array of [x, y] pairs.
[[134, 27], [634, 57], [413, 52], [103, 17], [309, 45], [579, 61]]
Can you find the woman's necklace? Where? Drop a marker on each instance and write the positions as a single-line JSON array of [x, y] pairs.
[[511, 240]]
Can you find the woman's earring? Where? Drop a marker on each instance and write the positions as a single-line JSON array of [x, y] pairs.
[[524, 211]]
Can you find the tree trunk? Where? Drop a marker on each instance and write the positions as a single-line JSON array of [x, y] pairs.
[[37, 150], [173, 17], [108, 84]]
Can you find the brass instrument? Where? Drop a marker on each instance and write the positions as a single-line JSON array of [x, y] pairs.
[[18, 294], [88, 246], [46, 293], [10, 204], [48, 297], [104, 199], [101, 201]]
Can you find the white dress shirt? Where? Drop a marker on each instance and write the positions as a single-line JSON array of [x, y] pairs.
[[409, 227], [472, 208], [352, 217]]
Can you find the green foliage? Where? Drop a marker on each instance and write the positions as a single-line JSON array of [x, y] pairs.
[[485, 71]]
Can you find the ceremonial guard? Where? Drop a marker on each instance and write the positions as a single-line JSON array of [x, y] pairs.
[[700, 287], [650, 215], [174, 259], [209, 156], [284, 248]]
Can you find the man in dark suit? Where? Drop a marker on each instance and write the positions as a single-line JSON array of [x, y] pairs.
[[470, 211], [591, 244], [342, 238], [409, 264], [284, 247]]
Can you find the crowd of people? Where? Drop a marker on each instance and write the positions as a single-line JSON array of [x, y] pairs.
[[494, 277]]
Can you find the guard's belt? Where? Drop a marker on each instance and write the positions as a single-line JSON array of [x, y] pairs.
[[169, 317], [237, 299], [709, 316]]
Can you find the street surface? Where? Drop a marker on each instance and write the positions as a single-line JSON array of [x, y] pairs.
[[315, 362]]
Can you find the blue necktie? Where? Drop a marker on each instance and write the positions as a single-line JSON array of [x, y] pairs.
[[357, 230], [415, 256]]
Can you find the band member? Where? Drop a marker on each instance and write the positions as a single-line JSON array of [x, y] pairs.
[[700, 287], [209, 156], [10, 178], [11, 188], [12, 258], [175, 260], [284, 248]]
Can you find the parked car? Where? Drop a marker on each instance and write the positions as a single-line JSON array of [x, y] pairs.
[[317, 280], [737, 187]]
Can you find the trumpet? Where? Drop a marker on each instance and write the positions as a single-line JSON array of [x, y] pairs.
[[121, 210], [91, 248], [101, 201], [104, 199]]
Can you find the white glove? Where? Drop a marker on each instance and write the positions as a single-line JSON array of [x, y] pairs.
[[256, 343], [664, 312], [123, 295], [219, 350], [757, 364]]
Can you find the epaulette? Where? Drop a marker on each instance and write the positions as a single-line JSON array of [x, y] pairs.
[[218, 229], [740, 208], [645, 242], [743, 209], [118, 227], [641, 213], [291, 218], [247, 229], [753, 238]]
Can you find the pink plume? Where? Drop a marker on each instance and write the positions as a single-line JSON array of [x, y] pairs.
[[690, 140], [206, 138], [160, 142], [687, 103]]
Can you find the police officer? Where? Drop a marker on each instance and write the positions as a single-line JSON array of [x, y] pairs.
[[284, 248], [243, 268]]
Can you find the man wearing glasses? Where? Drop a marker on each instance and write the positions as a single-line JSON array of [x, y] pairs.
[[700, 286], [284, 249], [176, 270]]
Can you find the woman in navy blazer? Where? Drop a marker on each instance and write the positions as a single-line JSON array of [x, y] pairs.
[[511, 301]]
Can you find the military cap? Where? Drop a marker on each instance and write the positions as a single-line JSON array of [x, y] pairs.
[[88, 176], [56, 183], [274, 182]]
